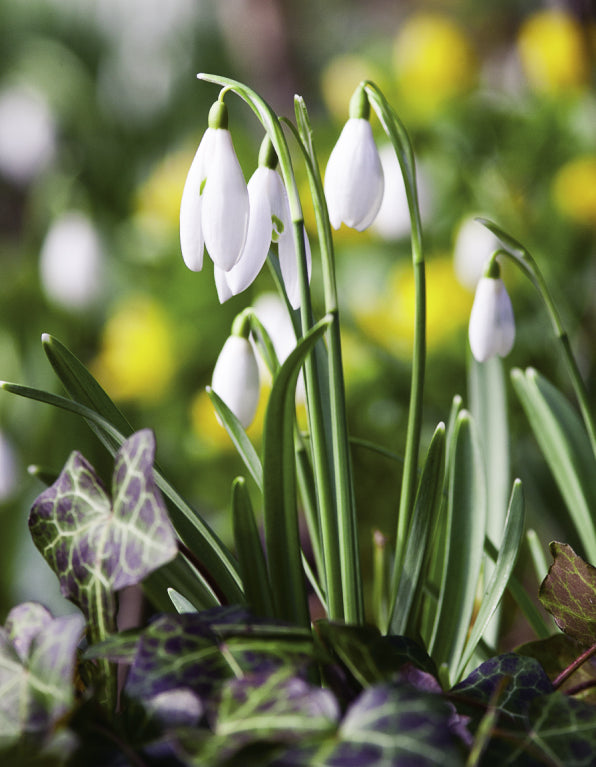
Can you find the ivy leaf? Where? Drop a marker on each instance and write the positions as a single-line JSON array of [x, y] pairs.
[[565, 729], [569, 593], [527, 680], [36, 671], [95, 544], [557, 653]]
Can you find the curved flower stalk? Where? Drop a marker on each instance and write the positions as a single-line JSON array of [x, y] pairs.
[[354, 176], [492, 326], [214, 211], [236, 374]]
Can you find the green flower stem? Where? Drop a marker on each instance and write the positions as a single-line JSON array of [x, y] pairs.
[[353, 604], [403, 149], [325, 491], [520, 256]]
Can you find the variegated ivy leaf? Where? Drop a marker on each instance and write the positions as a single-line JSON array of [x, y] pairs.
[[97, 545], [36, 674], [569, 593]]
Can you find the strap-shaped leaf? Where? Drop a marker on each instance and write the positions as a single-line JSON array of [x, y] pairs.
[[464, 546], [423, 521], [253, 567], [96, 545], [239, 437], [281, 520], [566, 447], [512, 538]]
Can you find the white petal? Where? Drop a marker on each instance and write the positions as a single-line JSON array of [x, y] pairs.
[[492, 329], [191, 234], [280, 207], [474, 245], [506, 323], [225, 208], [236, 379], [222, 284], [354, 177], [258, 237], [289, 265]]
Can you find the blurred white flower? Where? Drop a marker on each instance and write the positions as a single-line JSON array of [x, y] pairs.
[[27, 134], [492, 326], [236, 379], [393, 219], [8, 468], [214, 210], [71, 262], [474, 245], [354, 177]]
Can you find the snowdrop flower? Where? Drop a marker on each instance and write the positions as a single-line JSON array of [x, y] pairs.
[[236, 376], [214, 210], [71, 262], [269, 222], [474, 245], [492, 327], [354, 176]]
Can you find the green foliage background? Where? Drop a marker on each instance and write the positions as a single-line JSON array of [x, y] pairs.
[[118, 78]]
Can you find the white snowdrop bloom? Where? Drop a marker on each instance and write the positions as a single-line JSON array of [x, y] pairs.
[[214, 210], [393, 219], [8, 468], [474, 245], [236, 378], [289, 265], [225, 208], [71, 262], [492, 326], [354, 177], [27, 134]]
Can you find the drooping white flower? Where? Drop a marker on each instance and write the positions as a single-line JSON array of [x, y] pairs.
[[71, 262], [269, 222], [474, 245], [236, 378], [492, 326], [214, 210], [354, 176]]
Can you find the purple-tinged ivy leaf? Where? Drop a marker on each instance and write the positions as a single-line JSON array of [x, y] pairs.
[[558, 652], [37, 689], [95, 544], [526, 681], [23, 623], [569, 593], [564, 728], [396, 725]]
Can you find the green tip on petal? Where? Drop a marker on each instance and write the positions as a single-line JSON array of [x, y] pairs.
[[218, 115], [359, 104], [267, 154]]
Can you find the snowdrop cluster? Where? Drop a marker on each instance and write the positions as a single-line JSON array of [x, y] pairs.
[[236, 223]]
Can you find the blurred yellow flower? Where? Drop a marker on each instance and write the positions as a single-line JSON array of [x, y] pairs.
[[553, 51], [574, 190], [211, 434], [136, 360], [434, 61], [340, 79], [391, 320], [158, 198]]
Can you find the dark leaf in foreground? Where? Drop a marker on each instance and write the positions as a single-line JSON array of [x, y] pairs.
[[569, 593]]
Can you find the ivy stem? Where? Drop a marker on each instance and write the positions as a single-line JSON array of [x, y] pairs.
[[573, 667]]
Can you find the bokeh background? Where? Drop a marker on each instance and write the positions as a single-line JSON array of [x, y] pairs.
[[100, 115]]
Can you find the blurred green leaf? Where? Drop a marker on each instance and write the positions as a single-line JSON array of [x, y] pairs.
[[566, 447]]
